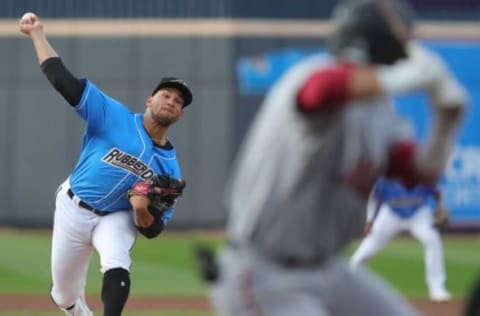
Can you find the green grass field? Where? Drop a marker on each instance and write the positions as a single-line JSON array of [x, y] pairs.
[[166, 266], [401, 263], [163, 266]]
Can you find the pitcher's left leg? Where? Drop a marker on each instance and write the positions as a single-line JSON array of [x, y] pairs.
[[114, 238]]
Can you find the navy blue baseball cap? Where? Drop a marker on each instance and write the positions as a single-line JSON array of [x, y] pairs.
[[172, 82]]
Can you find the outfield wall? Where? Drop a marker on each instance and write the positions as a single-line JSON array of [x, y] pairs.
[[40, 137]]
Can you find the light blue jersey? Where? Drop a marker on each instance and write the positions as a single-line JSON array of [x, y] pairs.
[[116, 153], [403, 201]]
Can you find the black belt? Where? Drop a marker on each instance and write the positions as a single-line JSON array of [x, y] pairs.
[[85, 205], [287, 261]]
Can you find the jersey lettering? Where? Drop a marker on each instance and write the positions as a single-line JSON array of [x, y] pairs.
[[120, 159]]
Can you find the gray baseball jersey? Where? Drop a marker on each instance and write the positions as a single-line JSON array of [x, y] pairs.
[[287, 196]]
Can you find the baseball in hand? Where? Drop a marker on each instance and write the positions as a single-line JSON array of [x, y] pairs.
[[29, 16]]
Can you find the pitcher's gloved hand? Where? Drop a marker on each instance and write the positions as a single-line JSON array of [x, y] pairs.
[[162, 192]]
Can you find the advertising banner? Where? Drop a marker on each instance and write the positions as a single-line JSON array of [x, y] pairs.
[[461, 181]]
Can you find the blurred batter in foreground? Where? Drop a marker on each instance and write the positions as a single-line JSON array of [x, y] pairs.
[[324, 134]]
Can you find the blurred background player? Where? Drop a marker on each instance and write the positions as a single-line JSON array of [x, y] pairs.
[[392, 208], [325, 132]]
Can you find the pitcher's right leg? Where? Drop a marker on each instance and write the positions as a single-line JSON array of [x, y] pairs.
[[71, 250]]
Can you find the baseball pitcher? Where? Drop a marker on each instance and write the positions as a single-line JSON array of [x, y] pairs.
[[126, 163]]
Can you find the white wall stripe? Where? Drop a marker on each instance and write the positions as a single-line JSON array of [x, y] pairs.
[[218, 28]]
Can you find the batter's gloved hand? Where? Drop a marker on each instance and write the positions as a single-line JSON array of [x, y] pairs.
[[441, 217], [162, 192], [424, 69]]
